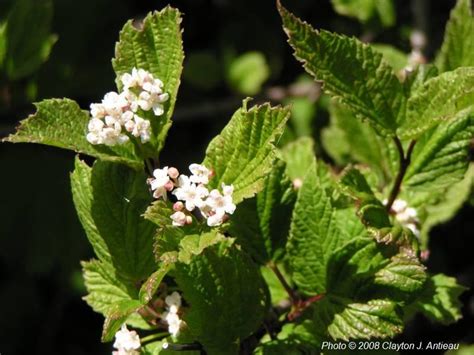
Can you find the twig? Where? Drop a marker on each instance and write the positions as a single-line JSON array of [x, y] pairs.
[[404, 162], [291, 293]]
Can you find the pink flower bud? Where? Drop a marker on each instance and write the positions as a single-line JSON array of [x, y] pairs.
[[169, 186], [178, 206], [173, 173], [189, 219]]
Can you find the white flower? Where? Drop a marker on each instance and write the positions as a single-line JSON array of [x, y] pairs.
[[219, 203], [407, 216], [190, 193], [173, 301], [179, 219], [174, 323], [126, 342], [118, 111], [160, 182], [141, 129], [171, 317], [200, 174], [215, 220]]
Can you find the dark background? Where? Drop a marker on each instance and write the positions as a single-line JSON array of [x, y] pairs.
[[41, 241]]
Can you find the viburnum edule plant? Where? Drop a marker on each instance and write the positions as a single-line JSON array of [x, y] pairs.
[[263, 248]]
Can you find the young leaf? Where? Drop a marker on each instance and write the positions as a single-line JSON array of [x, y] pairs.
[[458, 47], [192, 245], [111, 199], [441, 155], [227, 297], [150, 286], [28, 47], [117, 316], [155, 46], [438, 100], [439, 300], [316, 230], [61, 123], [351, 71], [244, 152], [261, 224]]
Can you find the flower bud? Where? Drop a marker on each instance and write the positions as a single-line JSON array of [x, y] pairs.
[[169, 186], [173, 173], [178, 206]]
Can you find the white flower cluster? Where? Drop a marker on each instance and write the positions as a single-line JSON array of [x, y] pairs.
[[119, 113], [192, 193], [407, 216], [126, 342], [173, 303]]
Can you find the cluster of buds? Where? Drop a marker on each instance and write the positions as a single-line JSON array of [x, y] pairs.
[[119, 113], [126, 342], [171, 316], [407, 216], [192, 193]]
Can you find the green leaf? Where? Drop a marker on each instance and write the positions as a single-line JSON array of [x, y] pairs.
[[446, 207], [109, 296], [438, 100], [351, 71], [61, 123], [366, 10], [104, 289], [299, 157], [458, 47], [155, 46], [378, 318], [83, 197], [248, 72], [28, 38], [440, 299], [117, 316], [316, 230], [349, 140], [110, 200], [370, 210], [362, 270], [277, 291], [261, 224], [397, 59], [244, 152], [192, 245], [364, 287], [441, 155], [227, 297]]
